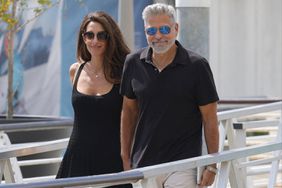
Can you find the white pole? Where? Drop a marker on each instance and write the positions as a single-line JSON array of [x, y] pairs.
[[126, 21], [193, 19]]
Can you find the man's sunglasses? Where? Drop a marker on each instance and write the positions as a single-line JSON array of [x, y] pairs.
[[102, 35], [165, 30]]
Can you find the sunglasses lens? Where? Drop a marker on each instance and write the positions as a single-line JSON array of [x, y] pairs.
[[151, 30], [103, 35], [164, 30], [89, 35]]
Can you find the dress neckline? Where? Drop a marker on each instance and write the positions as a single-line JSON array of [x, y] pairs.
[[94, 95], [90, 95]]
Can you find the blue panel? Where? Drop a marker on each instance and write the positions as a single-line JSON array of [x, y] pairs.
[[140, 39]]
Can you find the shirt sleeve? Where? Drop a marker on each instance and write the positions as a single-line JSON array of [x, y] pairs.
[[205, 87], [126, 79]]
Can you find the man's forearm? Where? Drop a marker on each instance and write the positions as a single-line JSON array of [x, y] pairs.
[[127, 133], [212, 137], [128, 124]]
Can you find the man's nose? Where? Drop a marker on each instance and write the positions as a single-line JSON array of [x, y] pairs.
[[158, 34]]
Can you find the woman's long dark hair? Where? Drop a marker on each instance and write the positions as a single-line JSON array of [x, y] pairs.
[[116, 50]]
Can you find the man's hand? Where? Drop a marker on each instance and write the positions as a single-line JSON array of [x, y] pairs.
[[126, 164], [207, 178]]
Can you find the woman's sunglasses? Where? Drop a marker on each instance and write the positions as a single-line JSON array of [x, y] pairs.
[[102, 35], [165, 30]]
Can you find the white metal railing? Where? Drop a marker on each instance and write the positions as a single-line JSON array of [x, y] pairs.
[[10, 166], [152, 171], [233, 162], [236, 138], [37, 125]]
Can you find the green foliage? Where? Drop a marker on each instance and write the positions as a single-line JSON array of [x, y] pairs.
[[9, 20], [4, 7], [6, 16], [257, 133], [44, 2]]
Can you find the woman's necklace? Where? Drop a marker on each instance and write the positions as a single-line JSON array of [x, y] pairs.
[[93, 72], [97, 75]]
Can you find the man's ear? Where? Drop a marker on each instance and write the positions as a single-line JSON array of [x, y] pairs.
[[176, 27], [145, 29]]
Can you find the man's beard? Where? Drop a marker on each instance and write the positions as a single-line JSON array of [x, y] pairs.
[[162, 49]]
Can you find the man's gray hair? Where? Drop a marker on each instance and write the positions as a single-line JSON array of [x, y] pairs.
[[159, 9]]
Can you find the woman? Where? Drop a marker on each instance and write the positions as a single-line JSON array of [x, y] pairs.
[[94, 146]]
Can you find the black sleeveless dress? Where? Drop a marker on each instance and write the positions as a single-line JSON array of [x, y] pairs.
[[94, 146]]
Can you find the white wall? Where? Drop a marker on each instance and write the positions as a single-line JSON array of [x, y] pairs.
[[246, 47]]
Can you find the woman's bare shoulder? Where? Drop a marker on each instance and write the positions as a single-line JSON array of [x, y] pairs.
[[73, 69]]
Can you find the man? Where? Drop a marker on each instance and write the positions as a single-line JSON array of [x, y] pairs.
[[168, 93]]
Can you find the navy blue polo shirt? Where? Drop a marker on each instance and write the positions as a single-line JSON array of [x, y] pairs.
[[169, 125]]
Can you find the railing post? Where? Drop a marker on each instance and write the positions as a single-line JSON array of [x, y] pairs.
[[222, 135], [10, 168], [2, 166], [224, 167], [275, 164], [239, 141], [222, 179], [233, 173]]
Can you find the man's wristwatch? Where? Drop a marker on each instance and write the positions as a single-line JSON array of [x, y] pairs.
[[212, 169]]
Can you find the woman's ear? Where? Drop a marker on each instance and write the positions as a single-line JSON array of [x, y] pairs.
[[82, 38]]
